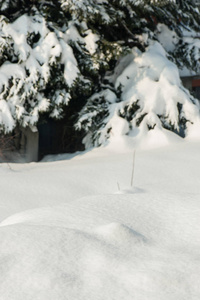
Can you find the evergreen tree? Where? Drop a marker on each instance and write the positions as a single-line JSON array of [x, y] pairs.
[[142, 23], [64, 58]]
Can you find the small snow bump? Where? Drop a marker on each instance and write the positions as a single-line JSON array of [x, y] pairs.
[[119, 233]]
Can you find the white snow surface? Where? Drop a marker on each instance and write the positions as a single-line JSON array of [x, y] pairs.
[[72, 227]]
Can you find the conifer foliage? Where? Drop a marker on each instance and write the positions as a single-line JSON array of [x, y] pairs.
[[99, 58]]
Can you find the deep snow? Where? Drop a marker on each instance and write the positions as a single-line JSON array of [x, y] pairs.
[[68, 232]]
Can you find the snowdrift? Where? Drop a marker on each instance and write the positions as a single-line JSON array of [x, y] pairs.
[[140, 242], [103, 247]]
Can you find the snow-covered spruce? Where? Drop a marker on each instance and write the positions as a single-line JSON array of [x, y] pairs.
[[37, 55], [62, 52], [151, 95]]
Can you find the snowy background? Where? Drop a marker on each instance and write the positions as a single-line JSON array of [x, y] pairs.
[[72, 227]]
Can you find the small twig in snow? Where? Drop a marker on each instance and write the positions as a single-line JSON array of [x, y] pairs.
[[133, 166], [118, 186]]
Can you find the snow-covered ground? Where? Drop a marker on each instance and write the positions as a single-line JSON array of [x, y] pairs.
[[74, 228]]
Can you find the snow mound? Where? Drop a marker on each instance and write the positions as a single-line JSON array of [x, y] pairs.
[[112, 232], [103, 247], [52, 263], [145, 139], [119, 233]]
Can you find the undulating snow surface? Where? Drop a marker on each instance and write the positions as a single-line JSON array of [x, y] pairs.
[[74, 228]]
